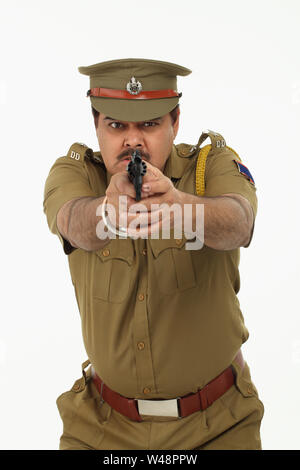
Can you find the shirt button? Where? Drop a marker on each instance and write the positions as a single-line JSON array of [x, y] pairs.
[[147, 390], [105, 252], [76, 387], [141, 297], [178, 241], [141, 346], [249, 390], [144, 251]]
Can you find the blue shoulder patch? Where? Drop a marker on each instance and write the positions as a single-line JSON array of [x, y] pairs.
[[244, 171]]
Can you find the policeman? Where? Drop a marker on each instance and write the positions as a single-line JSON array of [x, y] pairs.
[[162, 324]]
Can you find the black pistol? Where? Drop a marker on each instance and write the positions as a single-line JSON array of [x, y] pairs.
[[136, 169]]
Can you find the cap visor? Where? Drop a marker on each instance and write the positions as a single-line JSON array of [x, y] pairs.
[[134, 110]]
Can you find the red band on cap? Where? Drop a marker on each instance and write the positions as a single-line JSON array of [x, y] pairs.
[[125, 95]]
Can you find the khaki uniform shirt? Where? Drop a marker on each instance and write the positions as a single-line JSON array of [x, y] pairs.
[[158, 321]]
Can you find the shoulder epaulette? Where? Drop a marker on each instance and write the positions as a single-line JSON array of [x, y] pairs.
[[217, 141], [185, 150], [81, 152], [218, 144]]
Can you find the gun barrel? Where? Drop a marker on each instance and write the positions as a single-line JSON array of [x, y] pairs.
[[136, 169]]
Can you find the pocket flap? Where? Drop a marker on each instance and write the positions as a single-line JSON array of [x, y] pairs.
[[159, 245], [117, 249]]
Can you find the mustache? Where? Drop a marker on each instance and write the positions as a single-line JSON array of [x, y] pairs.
[[129, 152]]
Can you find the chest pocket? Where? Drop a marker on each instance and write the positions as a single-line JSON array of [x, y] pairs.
[[172, 265], [111, 270]]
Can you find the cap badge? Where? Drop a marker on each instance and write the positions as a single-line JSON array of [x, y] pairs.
[[134, 87]]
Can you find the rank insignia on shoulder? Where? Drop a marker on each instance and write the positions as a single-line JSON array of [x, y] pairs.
[[244, 171], [80, 152]]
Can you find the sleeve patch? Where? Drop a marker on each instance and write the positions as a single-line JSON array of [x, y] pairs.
[[244, 171]]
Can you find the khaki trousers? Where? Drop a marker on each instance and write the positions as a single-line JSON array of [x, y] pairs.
[[231, 422]]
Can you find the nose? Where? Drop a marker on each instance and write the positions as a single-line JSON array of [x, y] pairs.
[[133, 137]]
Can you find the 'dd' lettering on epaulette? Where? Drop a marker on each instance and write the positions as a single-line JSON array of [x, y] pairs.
[[244, 171], [217, 141], [80, 152]]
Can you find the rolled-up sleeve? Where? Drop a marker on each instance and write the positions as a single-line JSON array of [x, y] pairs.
[[67, 180], [223, 176]]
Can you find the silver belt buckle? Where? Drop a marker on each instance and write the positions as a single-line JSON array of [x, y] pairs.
[[158, 407]]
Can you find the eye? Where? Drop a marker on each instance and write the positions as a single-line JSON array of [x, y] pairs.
[[116, 126], [151, 124]]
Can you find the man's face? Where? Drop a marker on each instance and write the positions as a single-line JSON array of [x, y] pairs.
[[118, 139]]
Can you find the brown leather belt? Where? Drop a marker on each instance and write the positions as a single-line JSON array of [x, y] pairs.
[[184, 406]]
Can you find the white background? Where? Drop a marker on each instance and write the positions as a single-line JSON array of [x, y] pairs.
[[245, 85]]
